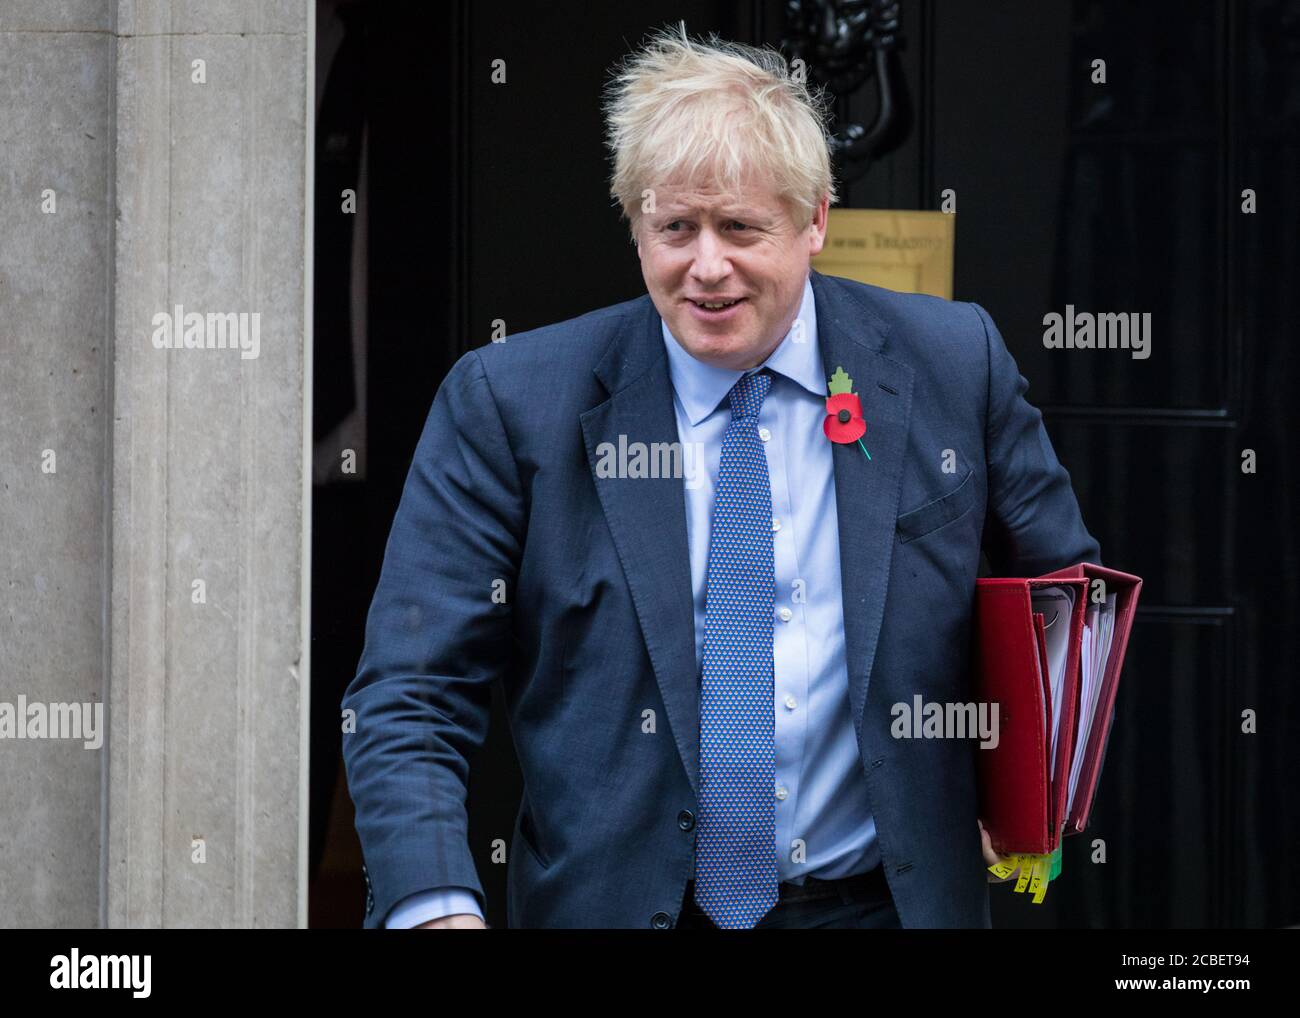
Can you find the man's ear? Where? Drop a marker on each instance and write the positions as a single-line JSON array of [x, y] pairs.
[[817, 227]]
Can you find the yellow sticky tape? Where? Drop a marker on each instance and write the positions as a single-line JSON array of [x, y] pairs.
[[1038, 877], [1026, 864], [1035, 874]]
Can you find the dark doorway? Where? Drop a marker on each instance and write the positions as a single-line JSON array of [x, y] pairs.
[[480, 203]]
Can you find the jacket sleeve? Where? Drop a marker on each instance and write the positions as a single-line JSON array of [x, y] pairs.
[[1034, 523], [436, 638]]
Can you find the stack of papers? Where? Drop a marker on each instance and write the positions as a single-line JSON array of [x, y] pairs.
[[1049, 650], [1054, 606]]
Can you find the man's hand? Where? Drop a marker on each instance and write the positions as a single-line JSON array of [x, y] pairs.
[[460, 921], [991, 858]]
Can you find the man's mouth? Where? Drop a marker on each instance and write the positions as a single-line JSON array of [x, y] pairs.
[[718, 304]]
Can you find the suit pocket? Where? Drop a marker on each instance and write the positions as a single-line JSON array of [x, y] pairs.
[[528, 838], [938, 512]]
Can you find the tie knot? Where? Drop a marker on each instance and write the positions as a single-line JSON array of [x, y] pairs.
[[747, 394]]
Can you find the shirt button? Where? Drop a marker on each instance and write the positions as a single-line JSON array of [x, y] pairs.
[[764, 434], [781, 793], [776, 524], [785, 614], [791, 702]]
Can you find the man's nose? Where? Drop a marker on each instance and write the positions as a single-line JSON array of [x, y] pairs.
[[711, 262]]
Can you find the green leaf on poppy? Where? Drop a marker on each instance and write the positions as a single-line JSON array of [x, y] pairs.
[[840, 382]]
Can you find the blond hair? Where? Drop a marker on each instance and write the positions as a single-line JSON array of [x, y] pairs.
[[688, 112]]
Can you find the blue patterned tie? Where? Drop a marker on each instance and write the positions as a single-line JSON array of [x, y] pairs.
[[735, 845]]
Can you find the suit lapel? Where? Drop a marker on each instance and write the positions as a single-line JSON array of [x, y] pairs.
[[866, 491], [647, 518]]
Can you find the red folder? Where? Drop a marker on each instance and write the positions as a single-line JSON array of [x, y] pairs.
[[1024, 789]]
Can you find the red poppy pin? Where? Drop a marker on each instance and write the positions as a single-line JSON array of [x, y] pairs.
[[844, 423]]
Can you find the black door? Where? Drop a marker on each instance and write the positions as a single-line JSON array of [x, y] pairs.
[[1168, 189]]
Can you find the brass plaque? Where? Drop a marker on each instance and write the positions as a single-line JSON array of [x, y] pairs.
[[909, 251]]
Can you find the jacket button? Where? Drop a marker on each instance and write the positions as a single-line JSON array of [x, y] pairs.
[[661, 921], [685, 820]]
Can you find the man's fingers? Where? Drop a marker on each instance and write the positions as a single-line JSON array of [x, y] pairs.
[[991, 858], [986, 846]]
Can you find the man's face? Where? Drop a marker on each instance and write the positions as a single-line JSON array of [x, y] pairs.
[[701, 247]]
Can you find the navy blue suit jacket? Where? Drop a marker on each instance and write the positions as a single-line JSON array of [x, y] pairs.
[[596, 628]]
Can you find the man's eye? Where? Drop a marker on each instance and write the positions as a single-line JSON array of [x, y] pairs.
[[734, 225]]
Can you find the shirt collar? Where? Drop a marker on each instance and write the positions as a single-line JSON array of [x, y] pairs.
[[701, 387]]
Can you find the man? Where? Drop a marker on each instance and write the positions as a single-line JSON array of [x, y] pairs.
[[701, 594]]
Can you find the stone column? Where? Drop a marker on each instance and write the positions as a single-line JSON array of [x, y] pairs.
[[56, 178], [156, 157], [208, 684]]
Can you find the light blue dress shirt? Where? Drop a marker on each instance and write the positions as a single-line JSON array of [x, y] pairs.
[[824, 826]]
